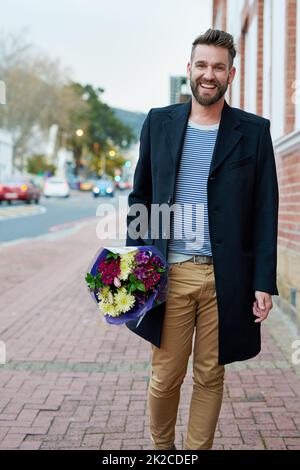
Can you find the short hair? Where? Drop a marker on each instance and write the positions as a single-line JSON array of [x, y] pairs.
[[216, 37]]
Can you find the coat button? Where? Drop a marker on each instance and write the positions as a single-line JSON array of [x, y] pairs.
[[170, 199], [212, 178]]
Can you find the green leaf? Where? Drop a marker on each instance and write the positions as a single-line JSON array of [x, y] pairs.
[[112, 255], [90, 280], [160, 270], [141, 287]]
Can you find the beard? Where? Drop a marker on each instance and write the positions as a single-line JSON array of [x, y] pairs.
[[206, 100]]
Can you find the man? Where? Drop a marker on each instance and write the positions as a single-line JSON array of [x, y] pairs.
[[220, 159]]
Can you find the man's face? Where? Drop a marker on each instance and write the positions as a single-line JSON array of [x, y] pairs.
[[209, 73]]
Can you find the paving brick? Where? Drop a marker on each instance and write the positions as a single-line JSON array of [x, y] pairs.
[[274, 443], [30, 445], [74, 382]]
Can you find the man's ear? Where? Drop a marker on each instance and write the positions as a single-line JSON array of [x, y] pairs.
[[188, 70], [232, 74]]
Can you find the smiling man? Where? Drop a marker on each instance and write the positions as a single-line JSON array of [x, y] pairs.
[[206, 154]]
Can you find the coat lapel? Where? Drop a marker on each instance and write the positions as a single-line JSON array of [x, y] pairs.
[[175, 130], [227, 137]]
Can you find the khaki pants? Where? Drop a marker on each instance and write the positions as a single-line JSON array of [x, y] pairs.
[[191, 305]]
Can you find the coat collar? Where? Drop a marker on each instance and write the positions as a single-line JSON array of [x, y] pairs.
[[227, 137]]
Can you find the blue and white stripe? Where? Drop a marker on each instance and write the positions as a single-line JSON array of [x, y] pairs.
[[190, 194]]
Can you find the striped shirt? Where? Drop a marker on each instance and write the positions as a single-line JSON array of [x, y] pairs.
[[189, 229]]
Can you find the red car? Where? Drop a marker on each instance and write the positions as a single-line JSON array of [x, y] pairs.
[[19, 189]]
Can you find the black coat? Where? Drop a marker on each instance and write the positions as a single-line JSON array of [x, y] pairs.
[[242, 193]]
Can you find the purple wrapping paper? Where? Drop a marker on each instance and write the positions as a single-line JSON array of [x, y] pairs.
[[155, 298]]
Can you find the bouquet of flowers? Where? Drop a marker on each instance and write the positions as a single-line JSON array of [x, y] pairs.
[[127, 282]]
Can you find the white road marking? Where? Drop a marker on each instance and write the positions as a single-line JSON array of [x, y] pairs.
[[21, 211]]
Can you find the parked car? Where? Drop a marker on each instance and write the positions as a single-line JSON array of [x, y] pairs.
[[18, 188], [128, 185], [74, 182], [122, 184], [103, 187], [86, 185], [57, 187]]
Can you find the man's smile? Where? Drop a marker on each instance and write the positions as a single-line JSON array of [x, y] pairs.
[[208, 87]]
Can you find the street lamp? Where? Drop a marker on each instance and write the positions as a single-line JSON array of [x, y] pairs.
[[79, 132]]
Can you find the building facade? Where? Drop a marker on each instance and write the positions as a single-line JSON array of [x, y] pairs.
[[179, 89], [267, 82], [6, 154]]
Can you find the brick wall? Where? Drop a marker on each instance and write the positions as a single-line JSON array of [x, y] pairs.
[[290, 63], [287, 155], [288, 169], [219, 11], [260, 39]]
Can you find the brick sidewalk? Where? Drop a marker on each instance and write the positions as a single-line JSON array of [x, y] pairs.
[[74, 382]]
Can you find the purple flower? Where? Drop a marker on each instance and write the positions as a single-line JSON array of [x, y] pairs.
[[142, 257], [157, 261], [140, 273], [140, 298]]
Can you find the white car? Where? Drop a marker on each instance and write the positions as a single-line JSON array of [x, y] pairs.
[[55, 186]]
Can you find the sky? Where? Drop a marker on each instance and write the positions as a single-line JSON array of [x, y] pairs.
[[128, 47]]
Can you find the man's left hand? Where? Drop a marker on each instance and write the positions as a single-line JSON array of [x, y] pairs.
[[262, 305]]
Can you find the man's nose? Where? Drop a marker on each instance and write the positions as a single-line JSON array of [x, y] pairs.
[[209, 74]]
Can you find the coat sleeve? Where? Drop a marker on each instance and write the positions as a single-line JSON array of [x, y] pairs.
[[142, 184], [265, 216]]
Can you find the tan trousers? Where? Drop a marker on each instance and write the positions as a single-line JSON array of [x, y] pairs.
[[191, 306]]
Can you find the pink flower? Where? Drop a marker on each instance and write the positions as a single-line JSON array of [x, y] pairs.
[[117, 282]]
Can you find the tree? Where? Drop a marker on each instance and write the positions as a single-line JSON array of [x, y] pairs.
[[103, 129], [38, 93], [38, 164]]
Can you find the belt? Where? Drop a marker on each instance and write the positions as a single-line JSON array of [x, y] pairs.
[[199, 259]]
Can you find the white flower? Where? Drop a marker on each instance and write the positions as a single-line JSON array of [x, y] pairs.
[[126, 268], [108, 309], [123, 300]]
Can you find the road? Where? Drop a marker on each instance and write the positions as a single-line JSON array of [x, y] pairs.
[[19, 220]]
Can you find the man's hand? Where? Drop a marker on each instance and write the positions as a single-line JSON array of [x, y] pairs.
[[262, 305]]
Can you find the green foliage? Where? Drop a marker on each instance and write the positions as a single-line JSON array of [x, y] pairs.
[[112, 255], [102, 131], [37, 164], [102, 125], [93, 282]]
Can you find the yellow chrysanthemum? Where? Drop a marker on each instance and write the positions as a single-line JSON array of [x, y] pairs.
[[103, 293], [125, 267], [129, 257], [123, 301], [108, 309]]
